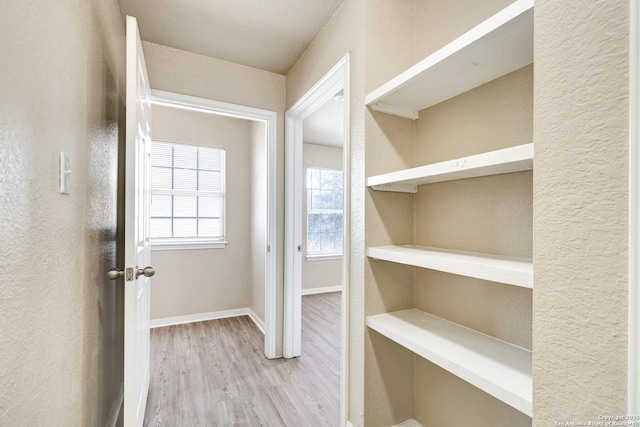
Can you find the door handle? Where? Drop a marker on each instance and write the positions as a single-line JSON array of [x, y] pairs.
[[148, 271], [116, 273]]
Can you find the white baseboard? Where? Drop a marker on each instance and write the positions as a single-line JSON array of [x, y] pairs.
[[112, 419], [410, 423], [257, 320], [322, 290], [213, 315]]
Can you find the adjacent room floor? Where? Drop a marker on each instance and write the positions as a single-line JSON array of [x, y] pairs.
[[214, 373]]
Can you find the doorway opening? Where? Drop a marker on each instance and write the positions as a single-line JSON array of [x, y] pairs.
[[314, 233], [238, 206]]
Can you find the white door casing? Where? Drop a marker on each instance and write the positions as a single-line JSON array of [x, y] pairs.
[[137, 251], [270, 119], [337, 78]]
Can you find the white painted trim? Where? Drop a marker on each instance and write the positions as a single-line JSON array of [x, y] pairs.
[[186, 246], [346, 245], [348, 424], [212, 315], [314, 258], [633, 380], [114, 412], [321, 290], [256, 319], [337, 78], [320, 93], [410, 423], [270, 118]]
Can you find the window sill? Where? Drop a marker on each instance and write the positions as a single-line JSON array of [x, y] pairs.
[[176, 246], [323, 257]]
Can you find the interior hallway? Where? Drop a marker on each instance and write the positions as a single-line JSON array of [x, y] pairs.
[[214, 373]]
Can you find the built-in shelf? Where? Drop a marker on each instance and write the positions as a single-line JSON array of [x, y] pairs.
[[500, 369], [509, 270], [497, 46], [507, 160]]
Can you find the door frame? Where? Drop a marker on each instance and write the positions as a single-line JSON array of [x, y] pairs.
[[337, 78], [633, 375], [269, 118]]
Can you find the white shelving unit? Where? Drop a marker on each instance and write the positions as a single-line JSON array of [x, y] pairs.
[[509, 270], [498, 46], [513, 159], [501, 369]]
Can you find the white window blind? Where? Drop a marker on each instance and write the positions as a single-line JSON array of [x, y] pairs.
[[324, 212], [188, 194]]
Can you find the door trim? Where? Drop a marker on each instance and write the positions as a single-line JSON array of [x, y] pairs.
[[187, 102], [633, 375], [337, 78]]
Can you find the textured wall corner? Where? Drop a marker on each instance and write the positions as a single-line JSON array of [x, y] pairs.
[[580, 209]]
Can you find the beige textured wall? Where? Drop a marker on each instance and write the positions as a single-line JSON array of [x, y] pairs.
[[258, 215], [389, 368], [182, 72], [319, 274], [580, 209], [343, 34], [61, 334], [205, 280]]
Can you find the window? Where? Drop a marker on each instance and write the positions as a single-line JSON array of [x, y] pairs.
[[188, 195], [324, 213]]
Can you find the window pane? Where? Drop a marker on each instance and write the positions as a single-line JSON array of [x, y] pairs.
[[185, 206], [185, 179], [161, 154], [324, 233], [313, 242], [337, 200], [210, 206], [160, 205], [185, 156], [210, 181], [160, 228], [177, 168], [210, 159], [161, 178], [210, 228], [185, 227], [326, 242], [314, 182]]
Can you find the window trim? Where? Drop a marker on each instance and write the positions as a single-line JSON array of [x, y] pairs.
[[329, 256], [317, 255], [166, 245], [179, 243]]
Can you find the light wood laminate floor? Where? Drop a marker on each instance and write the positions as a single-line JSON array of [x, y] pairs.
[[214, 373]]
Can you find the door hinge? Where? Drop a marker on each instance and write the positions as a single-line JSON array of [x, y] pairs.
[[268, 248], [128, 274], [299, 248]]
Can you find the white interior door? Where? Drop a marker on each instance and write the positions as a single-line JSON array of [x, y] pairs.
[[137, 248]]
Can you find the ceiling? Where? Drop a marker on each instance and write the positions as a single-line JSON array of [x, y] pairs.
[[266, 34], [325, 126]]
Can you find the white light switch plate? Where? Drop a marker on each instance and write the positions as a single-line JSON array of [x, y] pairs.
[[65, 173]]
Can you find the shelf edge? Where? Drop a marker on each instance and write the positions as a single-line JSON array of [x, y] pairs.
[[519, 159], [513, 397]]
